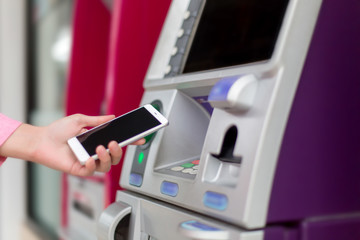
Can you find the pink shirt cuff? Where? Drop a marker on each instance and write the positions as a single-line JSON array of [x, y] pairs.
[[7, 127]]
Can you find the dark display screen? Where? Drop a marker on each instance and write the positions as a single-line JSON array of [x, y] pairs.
[[234, 32], [119, 129]]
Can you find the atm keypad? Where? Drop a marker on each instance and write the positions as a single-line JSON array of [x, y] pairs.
[[186, 170]]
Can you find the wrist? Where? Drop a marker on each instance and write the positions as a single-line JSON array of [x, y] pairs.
[[33, 137], [22, 143]]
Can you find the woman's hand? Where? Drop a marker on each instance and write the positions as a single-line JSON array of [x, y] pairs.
[[48, 145]]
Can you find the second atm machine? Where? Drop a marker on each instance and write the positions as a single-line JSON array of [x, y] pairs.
[[263, 100]]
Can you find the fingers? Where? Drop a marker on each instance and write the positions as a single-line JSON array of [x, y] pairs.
[[90, 167], [115, 152], [106, 159], [83, 170], [83, 130], [103, 164], [91, 121], [112, 156], [139, 142]]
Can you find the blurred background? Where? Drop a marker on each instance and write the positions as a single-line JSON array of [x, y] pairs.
[[35, 49], [59, 57]]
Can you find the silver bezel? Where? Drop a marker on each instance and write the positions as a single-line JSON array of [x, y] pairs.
[[262, 127]]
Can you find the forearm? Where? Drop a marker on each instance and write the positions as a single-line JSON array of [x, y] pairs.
[[22, 143], [48, 145]]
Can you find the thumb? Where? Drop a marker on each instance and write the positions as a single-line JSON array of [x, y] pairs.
[[91, 121]]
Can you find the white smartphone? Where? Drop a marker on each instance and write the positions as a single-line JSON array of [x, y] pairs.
[[124, 129]]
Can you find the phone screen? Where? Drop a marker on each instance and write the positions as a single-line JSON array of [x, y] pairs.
[[119, 129]]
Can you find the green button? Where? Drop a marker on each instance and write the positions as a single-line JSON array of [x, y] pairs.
[[141, 157], [188, 165], [149, 137], [156, 106]]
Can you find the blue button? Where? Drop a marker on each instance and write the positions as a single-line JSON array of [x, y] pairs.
[[169, 188], [135, 179], [195, 225], [215, 200], [220, 90]]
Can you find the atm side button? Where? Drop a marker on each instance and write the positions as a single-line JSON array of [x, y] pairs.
[[135, 179], [169, 188], [215, 200], [197, 230]]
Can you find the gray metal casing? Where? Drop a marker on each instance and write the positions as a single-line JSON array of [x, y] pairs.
[[168, 218], [246, 185]]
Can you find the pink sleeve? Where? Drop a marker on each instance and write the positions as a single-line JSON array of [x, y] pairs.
[[7, 127]]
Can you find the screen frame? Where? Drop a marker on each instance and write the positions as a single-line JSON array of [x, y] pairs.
[[259, 53]]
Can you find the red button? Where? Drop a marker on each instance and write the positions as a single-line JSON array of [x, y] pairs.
[[196, 162]]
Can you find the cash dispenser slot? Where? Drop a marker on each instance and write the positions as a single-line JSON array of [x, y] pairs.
[[228, 146], [223, 167], [182, 142], [118, 229], [122, 229]]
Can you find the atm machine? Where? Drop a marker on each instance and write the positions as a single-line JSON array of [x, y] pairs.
[[263, 100]]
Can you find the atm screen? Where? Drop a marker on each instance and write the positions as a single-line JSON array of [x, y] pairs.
[[234, 32]]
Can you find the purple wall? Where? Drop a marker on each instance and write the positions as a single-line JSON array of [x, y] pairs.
[[318, 172]]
